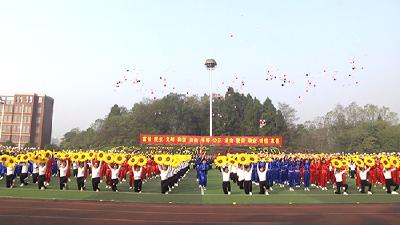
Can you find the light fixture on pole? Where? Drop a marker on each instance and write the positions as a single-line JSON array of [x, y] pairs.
[[210, 64]]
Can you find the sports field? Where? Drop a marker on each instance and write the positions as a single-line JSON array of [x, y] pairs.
[[188, 192]]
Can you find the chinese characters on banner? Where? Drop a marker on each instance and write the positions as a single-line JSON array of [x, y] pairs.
[[153, 139]]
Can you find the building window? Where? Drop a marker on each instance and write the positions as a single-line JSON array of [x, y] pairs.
[[30, 99], [40, 99]]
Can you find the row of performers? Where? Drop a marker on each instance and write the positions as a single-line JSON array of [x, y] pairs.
[[296, 172], [113, 174]]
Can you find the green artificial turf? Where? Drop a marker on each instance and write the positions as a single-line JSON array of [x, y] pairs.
[[188, 193]]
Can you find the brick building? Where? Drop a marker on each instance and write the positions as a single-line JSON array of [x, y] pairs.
[[26, 119]]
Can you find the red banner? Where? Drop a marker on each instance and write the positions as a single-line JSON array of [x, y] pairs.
[[153, 139]]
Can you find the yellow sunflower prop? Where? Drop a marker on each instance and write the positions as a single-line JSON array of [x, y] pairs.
[[220, 161], [337, 163], [394, 161], [386, 163], [369, 161]]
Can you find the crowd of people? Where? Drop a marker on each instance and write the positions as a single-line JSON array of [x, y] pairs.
[[266, 171], [110, 168], [305, 171]]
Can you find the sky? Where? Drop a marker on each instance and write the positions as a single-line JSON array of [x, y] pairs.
[[76, 52]]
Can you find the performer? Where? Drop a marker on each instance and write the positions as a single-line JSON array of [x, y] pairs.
[[10, 176], [164, 171], [387, 173], [80, 176], [247, 180], [339, 181], [41, 172], [240, 174], [364, 181], [352, 167], [96, 167], [35, 172], [262, 176], [226, 184], [24, 174], [306, 175], [203, 172], [63, 167], [137, 178], [114, 176]]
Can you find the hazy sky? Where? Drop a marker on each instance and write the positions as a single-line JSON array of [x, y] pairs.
[[75, 52]]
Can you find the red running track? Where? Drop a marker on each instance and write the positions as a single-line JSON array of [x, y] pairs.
[[41, 212]]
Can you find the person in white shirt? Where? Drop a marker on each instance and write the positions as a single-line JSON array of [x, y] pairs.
[[339, 181], [137, 178], [240, 174], [96, 166], [233, 175], [80, 176], [247, 184], [10, 176], [262, 177], [24, 174], [41, 172], [352, 168], [387, 173], [63, 168], [226, 184], [164, 172], [75, 166], [364, 181], [114, 176], [35, 172]]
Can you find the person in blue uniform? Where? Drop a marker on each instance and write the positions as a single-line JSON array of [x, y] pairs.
[[297, 176], [291, 168], [202, 171], [306, 168]]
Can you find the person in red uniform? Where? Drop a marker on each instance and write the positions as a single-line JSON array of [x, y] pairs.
[[323, 179], [313, 170]]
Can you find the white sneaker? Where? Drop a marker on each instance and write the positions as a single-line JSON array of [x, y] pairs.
[[271, 189], [305, 189], [384, 188], [101, 181], [345, 193], [250, 193], [370, 193], [130, 188], [394, 193], [42, 188], [199, 186], [229, 193], [176, 185], [205, 188], [21, 185], [166, 192], [266, 193]]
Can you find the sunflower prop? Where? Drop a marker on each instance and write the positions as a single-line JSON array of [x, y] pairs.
[[119, 159], [91, 155], [107, 158], [75, 157], [220, 161], [386, 163], [159, 159], [394, 161], [359, 163], [243, 159], [11, 161], [142, 160], [337, 163], [100, 156], [168, 160], [133, 160], [369, 161], [3, 159], [82, 157]]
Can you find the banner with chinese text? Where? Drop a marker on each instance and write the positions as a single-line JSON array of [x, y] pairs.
[[153, 139]]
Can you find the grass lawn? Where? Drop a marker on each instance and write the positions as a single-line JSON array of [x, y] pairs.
[[188, 192]]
